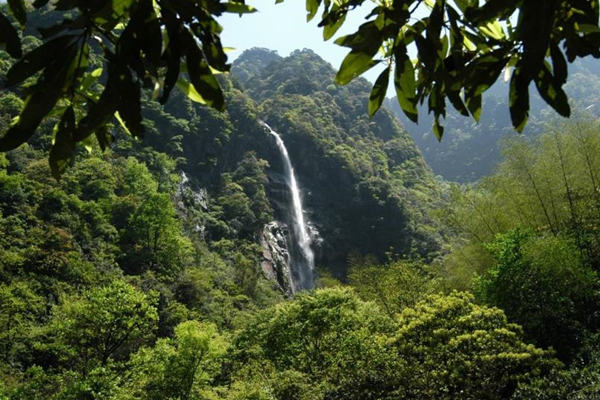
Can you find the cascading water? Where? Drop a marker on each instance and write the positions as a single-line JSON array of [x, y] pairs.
[[303, 266]]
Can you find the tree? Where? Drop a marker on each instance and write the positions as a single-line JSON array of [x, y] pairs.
[[331, 345], [181, 367], [20, 307], [462, 48], [456, 349], [326, 342], [393, 287], [105, 323], [542, 282], [153, 238]]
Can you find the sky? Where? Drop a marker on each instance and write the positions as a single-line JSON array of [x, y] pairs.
[[283, 27]]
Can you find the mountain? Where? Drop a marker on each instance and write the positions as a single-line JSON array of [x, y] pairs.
[[366, 184], [170, 267], [470, 150]]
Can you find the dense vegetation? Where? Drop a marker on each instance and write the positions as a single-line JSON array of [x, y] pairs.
[[113, 51], [367, 185], [140, 274], [470, 150]]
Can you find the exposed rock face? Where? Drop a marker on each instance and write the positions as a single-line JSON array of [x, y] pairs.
[[187, 199], [276, 258], [187, 196], [362, 179]]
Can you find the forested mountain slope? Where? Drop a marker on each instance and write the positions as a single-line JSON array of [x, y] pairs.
[[190, 204], [156, 269], [470, 150], [367, 187]]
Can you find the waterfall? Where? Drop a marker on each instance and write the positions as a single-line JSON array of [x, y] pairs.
[[303, 268]]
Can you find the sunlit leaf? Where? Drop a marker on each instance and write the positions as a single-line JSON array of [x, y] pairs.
[[239, 8], [312, 6], [189, 90], [122, 123], [355, 64]]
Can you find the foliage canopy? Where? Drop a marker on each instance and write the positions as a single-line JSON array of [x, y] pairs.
[[112, 51]]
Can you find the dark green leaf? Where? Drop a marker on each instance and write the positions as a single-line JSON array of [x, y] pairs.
[[66, 4], [10, 37], [105, 138], [151, 33], [172, 55], [463, 5], [474, 106], [405, 84], [37, 59], [213, 50], [552, 92], [438, 129], [379, 91], [519, 101], [458, 103], [40, 3], [368, 39], [202, 78], [99, 113], [559, 65], [46, 93], [17, 8], [130, 106], [64, 145]]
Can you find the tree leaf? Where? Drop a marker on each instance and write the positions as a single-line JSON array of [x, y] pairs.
[[40, 3], [474, 106], [312, 6], [552, 92], [202, 78], [354, 64], [90, 79], [100, 112], [189, 90], [405, 84], [37, 59], [438, 129], [239, 8], [130, 105], [17, 8], [492, 9], [64, 145], [458, 103], [379, 91], [519, 101], [330, 29], [493, 29], [559, 65], [10, 38], [104, 137], [122, 123], [172, 55], [46, 93]]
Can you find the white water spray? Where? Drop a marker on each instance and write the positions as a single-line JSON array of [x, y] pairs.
[[303, 270]]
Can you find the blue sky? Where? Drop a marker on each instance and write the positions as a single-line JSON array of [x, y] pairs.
[[283, 27]]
